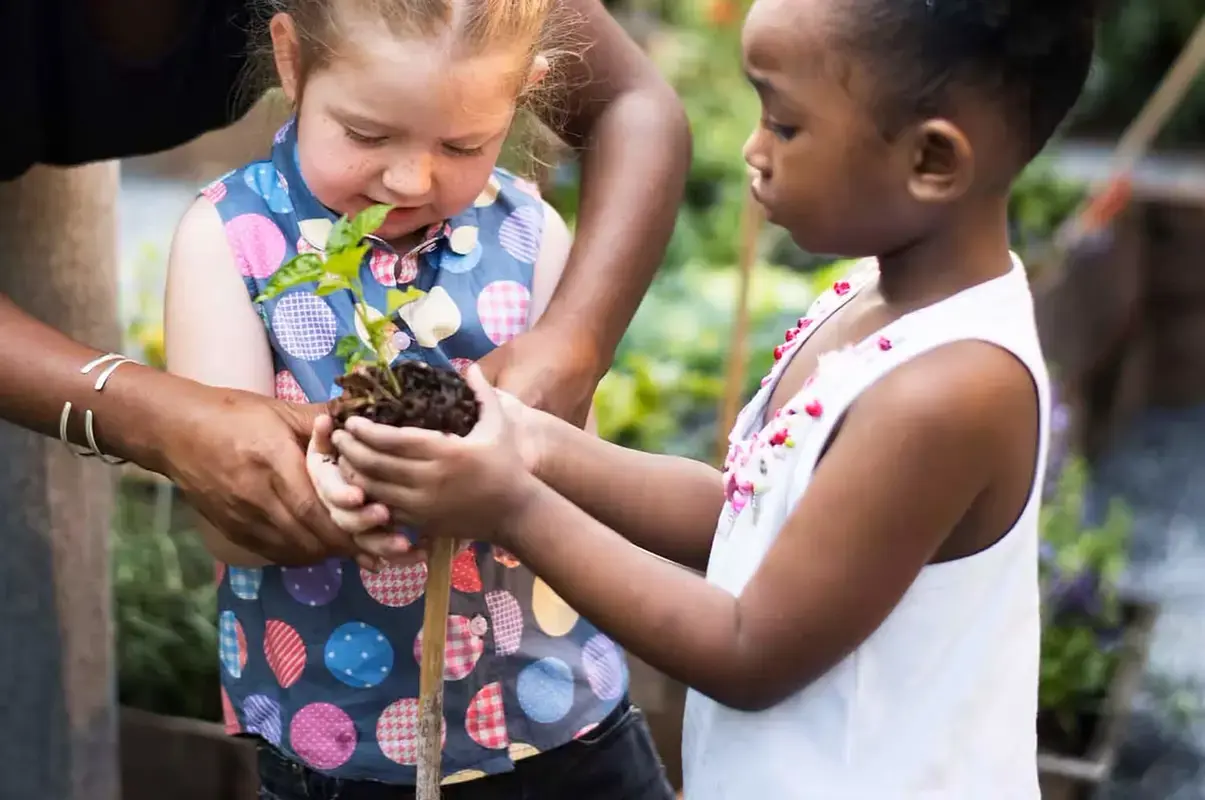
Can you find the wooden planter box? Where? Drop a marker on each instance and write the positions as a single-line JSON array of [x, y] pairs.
[[183, 759], [1067, 778]]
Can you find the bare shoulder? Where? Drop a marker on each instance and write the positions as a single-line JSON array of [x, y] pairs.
[[200, 237], [969, 388]]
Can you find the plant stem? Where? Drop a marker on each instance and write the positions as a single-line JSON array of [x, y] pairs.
[[378, 344]]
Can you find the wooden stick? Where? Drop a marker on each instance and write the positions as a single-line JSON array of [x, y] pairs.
[[1100, 210], [431, 670], [752, 219]]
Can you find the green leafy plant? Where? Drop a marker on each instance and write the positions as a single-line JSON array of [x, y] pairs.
[[339, 270], [373, 385], [165, 606], [1084, 614]]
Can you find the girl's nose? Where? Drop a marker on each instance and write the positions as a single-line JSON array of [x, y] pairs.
[[409, 177], [755, 153]]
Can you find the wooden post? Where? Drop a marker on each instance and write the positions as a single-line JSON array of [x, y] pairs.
[[752, 219], [431, 669], [58, 740]]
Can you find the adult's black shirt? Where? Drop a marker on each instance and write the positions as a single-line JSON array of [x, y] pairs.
[[88, 80]]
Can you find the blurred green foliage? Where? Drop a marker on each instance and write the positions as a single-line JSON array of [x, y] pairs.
[[1082, 609], [165, 607]]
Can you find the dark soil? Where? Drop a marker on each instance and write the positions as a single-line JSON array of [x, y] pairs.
[[431, 397]]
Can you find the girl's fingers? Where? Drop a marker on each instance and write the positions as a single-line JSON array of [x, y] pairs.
[[364, 519], [391, 547], [321, 465], [378, 465], [408, 442]]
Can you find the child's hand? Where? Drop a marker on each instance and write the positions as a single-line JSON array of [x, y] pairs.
[[438, 483], [367, 522]]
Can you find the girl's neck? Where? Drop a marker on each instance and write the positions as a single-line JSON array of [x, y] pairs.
[[971, 248]]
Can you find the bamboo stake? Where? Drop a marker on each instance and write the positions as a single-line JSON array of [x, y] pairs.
[[1103, 207], [431, 669], [752, 219]]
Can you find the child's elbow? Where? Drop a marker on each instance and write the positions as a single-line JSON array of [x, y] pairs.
[[749, 696]]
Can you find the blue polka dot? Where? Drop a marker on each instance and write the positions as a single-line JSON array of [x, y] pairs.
[[545, 690], [263, 178], [359, 655], [335, 391], [245, 582], [262, 715], [232, 648], [455, 263]]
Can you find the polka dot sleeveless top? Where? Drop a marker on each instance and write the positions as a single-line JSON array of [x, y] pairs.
[[322, 661]]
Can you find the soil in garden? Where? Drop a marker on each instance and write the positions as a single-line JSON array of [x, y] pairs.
[[423, 396]]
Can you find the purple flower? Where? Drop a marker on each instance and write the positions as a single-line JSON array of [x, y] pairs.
[[1076, 595]]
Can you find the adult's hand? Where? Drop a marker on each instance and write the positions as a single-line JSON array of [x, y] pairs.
[[547, 369], [239, 459]]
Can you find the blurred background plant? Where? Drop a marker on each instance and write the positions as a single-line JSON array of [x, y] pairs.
[[1082, 608]]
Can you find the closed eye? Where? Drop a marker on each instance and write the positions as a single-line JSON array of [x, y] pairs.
[[784, 132], [363, 138], [464, 151]]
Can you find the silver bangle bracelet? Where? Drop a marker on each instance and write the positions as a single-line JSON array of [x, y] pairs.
[[113, 362]]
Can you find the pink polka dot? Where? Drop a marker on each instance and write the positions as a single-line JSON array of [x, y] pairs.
[[383, 264], [396, 586], [461, 365], [323, 735], [214, 192], [285, 652], [462, 648], [288, 389], [407, 269], [503, 307], [229, 718], [397, 731], [259, 246], [585, 730]]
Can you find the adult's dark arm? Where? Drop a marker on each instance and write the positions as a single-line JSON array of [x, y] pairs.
[[635, 150], [237, 456]]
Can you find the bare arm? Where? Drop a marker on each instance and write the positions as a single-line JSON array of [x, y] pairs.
[[665, 504], [614, 96], [846, 555], [212, 333]]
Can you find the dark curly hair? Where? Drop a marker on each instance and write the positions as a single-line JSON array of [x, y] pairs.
[[1032, 55]]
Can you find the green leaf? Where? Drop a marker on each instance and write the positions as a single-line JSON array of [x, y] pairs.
[[304, 268], [331, 284], [348, 346], [346, 262], [396, 298], [342, 236], [369, 220]]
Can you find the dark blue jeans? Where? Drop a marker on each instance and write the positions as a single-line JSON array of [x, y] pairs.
[[615, 761]]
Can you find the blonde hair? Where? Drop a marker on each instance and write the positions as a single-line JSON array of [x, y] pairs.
[[471, 26]]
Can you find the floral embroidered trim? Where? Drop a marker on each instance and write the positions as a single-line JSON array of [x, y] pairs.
[[748, 464]]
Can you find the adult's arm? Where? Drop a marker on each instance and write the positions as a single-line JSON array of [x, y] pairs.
[[237, 457], [635, 151]]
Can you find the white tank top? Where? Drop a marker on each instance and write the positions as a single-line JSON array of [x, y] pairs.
[[941, 701]]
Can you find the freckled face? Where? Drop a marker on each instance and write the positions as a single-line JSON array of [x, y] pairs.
[[413, 124], [821, 168]]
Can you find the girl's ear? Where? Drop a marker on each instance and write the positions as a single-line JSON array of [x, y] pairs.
[[943, 162], [539, 69], [286, 52]]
